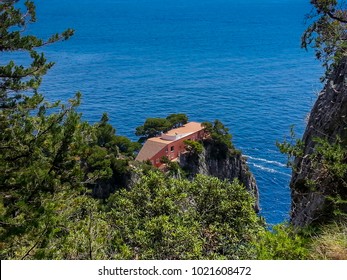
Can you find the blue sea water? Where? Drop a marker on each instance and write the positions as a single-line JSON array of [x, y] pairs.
[[238, 61]]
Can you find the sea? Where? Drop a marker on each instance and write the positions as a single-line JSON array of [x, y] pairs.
[[238, 61]]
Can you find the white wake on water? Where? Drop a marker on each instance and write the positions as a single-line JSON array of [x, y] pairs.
[[267, 169], [267, 161]]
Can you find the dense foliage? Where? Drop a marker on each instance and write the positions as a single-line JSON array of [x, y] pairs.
[[194, 147], [166, 218], [51, 161], [282, 243], [49, 157]]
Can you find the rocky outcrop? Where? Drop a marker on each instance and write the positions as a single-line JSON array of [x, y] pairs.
[[229, 165], [126, 178], [215, 160], [328, 119]]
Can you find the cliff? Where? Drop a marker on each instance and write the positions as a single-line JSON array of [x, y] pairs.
[[215, 160], [229, 165], [328, 120]]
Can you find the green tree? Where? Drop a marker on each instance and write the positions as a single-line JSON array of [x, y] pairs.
[[218, 132], [44, 157], [177, 120], [153, 127], [107, 138], [41, 165], [326, 32], [105, 132], [166, 218], [126, 146], [281, 243], [193, 147], [17, 79], [219, 139]]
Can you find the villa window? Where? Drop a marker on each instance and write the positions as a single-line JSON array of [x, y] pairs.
[[172, 148]]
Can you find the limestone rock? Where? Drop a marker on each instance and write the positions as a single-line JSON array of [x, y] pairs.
[[328, 119], [230, 166]]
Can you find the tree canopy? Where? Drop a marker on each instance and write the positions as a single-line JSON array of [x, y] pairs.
[[220, 137], [50, 159], [155, 126], [16, 79], [48, 155], [166, 218], [177, 120], [327, 33]]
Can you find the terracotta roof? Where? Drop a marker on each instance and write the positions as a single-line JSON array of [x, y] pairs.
[[149, 149], [179, 132], [190, 127]]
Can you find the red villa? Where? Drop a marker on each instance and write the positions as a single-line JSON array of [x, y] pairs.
[[170, 144]]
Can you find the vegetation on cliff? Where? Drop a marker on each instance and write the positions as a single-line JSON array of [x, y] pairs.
[[166, 218], [52, 162], [319, 160]]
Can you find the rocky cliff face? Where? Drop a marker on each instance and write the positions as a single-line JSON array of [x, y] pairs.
[[214, 161], [328, 119], [226, 166]]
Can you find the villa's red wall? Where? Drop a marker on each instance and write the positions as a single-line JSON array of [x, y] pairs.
[[178, 148]]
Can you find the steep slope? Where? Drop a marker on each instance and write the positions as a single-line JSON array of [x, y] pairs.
[[229, 166], [328, 120]]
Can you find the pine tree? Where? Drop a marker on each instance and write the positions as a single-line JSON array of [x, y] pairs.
[[326, 32], [43, 150]]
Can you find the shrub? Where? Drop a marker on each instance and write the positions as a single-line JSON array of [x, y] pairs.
[[282, 243]]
